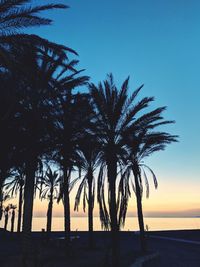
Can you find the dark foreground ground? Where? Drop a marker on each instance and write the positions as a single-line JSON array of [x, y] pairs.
[[172, 253]]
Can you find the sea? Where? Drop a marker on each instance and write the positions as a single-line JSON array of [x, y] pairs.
[[81, 223]]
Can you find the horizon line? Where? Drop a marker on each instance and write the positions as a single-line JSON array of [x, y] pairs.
[[129, 216]]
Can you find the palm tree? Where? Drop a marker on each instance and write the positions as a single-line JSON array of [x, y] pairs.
[[33, 123], [4, 197], [34, 119], [37, 111], [114, 114], [7, 127], [6, 214], [73, 121], [15, 16], [88, 161], [49, 184], [19, 14], [118, 115], [67, 120], [15, 185], [143, 144]]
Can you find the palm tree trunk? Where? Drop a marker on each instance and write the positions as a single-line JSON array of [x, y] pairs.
[[2, 179], [49, 213], [139, 210], [67, 224], [13, 220], [20, 209], [31, 167], [112, 175], [1, 208], [6, 221], [90, 209]]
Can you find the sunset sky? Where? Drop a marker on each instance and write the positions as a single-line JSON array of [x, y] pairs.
[[157, 43]]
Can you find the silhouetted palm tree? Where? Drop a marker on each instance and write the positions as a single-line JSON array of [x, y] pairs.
[[7, 140], [15, 16], [35, 118], [49, 190], [88, 161], [14, 186], [68, 120], [118, 116], [33, 124], [73, 121], [4, 196], [143, 144], [115, 113], [6, 215]]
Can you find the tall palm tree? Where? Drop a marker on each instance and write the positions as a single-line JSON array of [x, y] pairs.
[[15, 185], [49, 190], [88, 161], [34, 119], [67, 121], [143, 144], [38, 109], [114, 113], [118, 115], [73, 121]]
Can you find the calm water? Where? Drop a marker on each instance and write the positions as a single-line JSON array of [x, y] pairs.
[[80, 223]]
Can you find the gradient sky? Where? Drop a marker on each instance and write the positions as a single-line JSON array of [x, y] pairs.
[[157, 43]]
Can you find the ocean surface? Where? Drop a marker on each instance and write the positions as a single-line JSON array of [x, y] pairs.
[[81, 223]]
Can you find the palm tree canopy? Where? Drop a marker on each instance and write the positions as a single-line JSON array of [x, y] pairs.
[[35, 95], [15, 15], [88, 160], [15, 180], [143, 145], [49, 183]]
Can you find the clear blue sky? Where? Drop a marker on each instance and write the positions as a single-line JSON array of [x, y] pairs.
[[157, 43]]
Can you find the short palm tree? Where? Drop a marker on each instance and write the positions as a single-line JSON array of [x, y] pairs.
[[140, 146], [88, 161], [49, 190], [3, 197], [15, 185], [6, 215]]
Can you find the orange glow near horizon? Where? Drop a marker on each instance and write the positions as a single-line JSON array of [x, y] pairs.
[[168, 200], [175, 200]]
